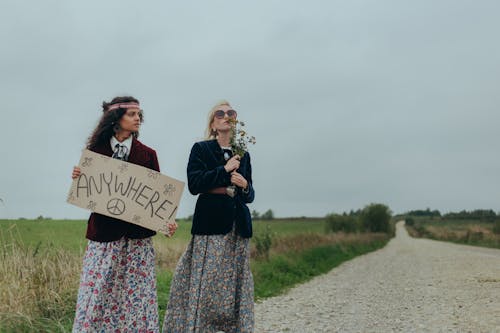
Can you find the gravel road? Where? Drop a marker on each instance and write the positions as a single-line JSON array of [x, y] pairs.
[[411, 285]]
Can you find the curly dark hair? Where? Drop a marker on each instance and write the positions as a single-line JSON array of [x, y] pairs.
[[109, 122]]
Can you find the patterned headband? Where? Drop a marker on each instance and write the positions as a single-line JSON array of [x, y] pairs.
[[127, 105]]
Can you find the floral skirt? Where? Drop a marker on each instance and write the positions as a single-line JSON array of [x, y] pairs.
[[118, 288], [212, 289]]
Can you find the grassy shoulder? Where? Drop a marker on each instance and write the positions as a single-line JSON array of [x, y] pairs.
[[469, 232], [40, 270], [281, 272]]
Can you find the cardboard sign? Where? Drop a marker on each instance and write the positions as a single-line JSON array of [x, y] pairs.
[[126, 191]]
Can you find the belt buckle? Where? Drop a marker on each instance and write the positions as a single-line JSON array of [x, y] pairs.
[[231, 191]]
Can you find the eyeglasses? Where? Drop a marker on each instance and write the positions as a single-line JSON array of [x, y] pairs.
[[219, 114]]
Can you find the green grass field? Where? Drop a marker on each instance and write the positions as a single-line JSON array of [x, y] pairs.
[[42, 259], [70, 234], [65, 234]]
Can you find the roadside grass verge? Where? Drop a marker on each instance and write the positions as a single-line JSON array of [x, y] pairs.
[[469, 232], [287, 269]]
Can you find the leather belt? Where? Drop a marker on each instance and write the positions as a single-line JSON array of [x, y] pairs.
[[218, 190], [230, 190]]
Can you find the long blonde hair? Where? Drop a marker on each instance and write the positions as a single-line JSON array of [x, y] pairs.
[[209, 134]]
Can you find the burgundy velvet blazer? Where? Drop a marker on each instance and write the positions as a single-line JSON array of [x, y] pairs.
[[102, 228]]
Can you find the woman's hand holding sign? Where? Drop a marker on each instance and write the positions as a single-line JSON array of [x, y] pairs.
[[76, 172], [172, 227]]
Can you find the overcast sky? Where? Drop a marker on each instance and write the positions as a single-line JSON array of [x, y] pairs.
[[351, 102]]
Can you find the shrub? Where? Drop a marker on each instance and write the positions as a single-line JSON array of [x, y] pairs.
[[263, 242], [496, 227], [345, 223], [268, 215], [376, 218]]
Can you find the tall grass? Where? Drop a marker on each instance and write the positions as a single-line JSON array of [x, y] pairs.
[[37, 286]]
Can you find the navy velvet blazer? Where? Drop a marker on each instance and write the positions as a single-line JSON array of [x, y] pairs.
[[215, 213], [102, 228]]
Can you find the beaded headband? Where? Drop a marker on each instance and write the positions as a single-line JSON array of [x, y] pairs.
[[127, 105]]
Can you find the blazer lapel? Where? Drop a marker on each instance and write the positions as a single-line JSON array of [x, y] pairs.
[[216, 151], [133, 157]]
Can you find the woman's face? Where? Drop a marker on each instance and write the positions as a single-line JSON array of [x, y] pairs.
[[221, 121], [131, 120]]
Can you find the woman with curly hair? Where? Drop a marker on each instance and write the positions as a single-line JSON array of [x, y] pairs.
[[118, 282]]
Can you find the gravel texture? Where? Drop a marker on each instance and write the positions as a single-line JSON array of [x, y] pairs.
[[411, 285]]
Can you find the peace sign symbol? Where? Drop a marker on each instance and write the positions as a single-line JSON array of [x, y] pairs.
[[116, 206]]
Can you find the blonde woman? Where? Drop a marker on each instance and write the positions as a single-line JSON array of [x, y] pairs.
[[212, 289]]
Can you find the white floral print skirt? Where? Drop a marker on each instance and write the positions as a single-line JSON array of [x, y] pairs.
[[118, 288]]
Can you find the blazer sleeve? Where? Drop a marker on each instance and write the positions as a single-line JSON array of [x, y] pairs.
[[201, 178], [249, 196]]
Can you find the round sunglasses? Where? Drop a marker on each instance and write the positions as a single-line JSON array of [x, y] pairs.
[[219, 114]]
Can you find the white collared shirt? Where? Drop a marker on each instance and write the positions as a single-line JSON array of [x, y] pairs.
[[127, 143]]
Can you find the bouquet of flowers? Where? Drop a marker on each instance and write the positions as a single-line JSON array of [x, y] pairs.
[[239, 141], [239, 138]]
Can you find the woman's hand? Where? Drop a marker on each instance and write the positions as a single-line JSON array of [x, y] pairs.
[[172, 227], [232, 164], [238, 180], [76, 172]]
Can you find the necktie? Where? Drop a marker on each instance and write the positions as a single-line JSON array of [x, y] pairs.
[[120, 152]]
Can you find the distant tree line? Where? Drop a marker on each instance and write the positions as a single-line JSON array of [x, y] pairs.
[[477, 214], [427, 212]]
